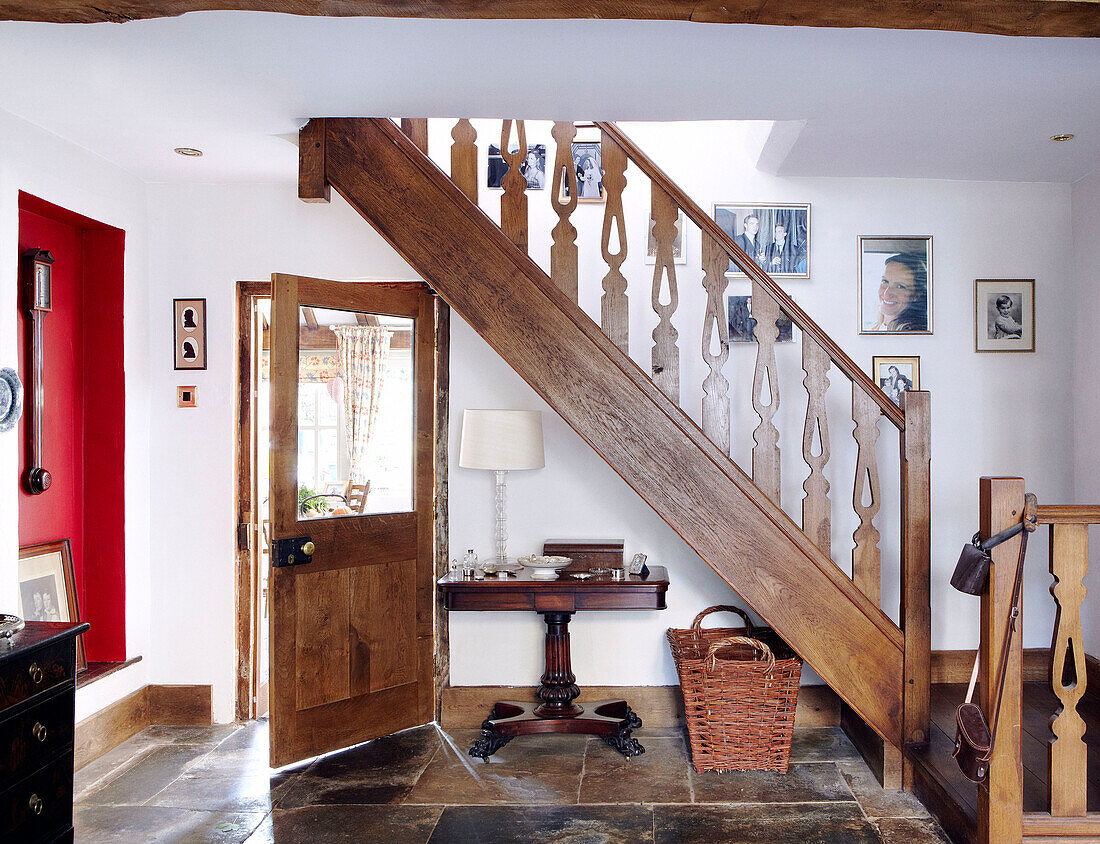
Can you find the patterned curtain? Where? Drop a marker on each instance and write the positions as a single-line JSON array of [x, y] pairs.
[[362, 351]]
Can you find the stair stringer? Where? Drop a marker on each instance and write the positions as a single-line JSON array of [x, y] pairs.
[[608, 400]]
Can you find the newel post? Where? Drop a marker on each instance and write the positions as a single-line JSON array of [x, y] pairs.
[[1001, 797], [916, 598]]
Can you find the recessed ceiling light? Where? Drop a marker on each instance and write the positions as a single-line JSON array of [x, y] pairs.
[[197, 152], [1066, 137]]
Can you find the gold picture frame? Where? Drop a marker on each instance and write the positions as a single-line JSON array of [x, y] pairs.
[[896, 375]]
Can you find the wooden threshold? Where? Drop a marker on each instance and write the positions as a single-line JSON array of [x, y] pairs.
[[1059, 18], [1040, 826], [99, 670]]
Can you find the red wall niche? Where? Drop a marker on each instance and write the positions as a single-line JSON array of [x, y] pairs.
[[84, 424]]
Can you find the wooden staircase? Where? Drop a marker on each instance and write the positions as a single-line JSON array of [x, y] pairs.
[[832, 620]]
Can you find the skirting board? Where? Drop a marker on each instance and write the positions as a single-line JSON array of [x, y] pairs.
[[657, 706], [955, 666], [112, 725]]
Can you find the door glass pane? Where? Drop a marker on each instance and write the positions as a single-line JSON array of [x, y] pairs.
[[355, 413]]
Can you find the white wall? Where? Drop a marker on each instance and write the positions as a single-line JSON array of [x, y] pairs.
[[982, 421], [1086, 396], [204, 238], [42, 164]]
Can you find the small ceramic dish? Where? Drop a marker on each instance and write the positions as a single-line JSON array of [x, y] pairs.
[[544, 568]]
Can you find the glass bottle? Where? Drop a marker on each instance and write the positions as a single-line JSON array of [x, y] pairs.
[[469, 563]]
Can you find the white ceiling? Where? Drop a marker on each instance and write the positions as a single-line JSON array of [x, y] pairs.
[[853, 102]]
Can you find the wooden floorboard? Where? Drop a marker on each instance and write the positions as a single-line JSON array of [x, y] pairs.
[[1040, 705]]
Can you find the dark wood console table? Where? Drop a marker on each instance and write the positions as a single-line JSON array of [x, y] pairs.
[[557, 600]]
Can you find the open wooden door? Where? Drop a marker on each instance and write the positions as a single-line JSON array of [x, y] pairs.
[[351, 591]]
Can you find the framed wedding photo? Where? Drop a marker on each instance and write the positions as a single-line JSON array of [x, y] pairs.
[[679, 256], [47, 588], [776, 237], [896, 375], [895, 284], [189, 333], [533, 168], [1004, 315], [588, 162]]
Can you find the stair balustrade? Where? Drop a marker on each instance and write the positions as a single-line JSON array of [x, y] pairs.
[[786, 564]]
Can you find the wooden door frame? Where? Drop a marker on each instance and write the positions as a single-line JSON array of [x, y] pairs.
[[246, 634]]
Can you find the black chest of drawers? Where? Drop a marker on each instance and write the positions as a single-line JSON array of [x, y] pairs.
[[37, 697]]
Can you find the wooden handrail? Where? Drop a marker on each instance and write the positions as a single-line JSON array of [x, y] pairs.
[[1069, 514], [798, 316]]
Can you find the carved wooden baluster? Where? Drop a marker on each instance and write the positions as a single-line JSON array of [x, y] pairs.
[[513, 203], [866, 562], [1067, 780], [614, 314], [765, 454], [563, 252], [666, 354], [816, 510], [716, 402], [464, 158]]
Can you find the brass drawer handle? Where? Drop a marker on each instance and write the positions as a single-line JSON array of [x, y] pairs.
[[36, 804], [36, 673], [39, 731]]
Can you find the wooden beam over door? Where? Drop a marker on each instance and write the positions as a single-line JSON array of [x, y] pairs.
[[1050, 18]]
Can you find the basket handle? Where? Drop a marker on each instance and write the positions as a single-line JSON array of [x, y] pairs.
[[695, 625], [765, 652]]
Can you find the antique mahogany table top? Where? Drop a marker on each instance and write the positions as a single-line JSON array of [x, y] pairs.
[[556, 600]]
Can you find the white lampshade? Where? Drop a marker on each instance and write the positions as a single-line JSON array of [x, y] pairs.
[[501, 439]]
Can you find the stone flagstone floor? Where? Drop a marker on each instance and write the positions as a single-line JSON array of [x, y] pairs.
[[212, 784]]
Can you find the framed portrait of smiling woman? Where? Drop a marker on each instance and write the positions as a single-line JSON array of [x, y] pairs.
[[895, 285]]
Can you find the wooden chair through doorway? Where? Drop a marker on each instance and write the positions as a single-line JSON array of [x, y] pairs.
[[356, 495]]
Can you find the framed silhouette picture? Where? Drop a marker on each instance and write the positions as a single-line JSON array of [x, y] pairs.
[[189, 333]]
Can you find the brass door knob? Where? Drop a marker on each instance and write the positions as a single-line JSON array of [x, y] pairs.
[[308, 549], [36, 804], [36, 673], [39, 731]]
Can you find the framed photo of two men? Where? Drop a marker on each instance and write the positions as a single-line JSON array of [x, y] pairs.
[[776, 237]]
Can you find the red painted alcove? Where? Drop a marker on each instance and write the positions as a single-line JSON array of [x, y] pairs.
[[84, 424]]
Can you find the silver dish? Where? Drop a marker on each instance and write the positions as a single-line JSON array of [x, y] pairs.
[[10, 625]]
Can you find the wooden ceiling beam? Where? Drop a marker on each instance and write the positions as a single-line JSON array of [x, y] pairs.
[[1053, 18]]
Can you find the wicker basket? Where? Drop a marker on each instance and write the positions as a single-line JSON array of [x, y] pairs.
[[740, 689]]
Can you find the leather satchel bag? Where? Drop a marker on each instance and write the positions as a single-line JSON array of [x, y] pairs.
[[973, 737]]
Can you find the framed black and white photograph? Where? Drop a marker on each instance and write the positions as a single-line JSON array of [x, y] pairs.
[[1004, 315], [47, 588], [896, 375], [533, 168], [189, 333], [895, 284], [588, 162], [776, 237], [742, 325], [679, 255]]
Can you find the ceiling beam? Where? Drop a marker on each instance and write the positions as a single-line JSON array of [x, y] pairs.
[[1064, 18]]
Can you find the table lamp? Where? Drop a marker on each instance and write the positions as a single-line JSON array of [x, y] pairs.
[[501, 441]]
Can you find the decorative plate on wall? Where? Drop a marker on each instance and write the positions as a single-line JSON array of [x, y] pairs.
[[11, 399]]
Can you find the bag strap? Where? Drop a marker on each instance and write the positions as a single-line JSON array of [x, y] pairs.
[[1006, 640]]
